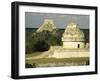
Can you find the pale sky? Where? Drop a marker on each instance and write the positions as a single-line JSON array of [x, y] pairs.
[[35, 20]]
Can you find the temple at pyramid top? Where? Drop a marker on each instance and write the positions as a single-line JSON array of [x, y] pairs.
[[48, 25]]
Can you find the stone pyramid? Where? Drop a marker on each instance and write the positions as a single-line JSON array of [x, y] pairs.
[[48, 25]]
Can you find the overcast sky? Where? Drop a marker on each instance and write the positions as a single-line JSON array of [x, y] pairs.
[[35, 20]]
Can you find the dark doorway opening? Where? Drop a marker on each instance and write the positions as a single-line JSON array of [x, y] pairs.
[[78, 45]]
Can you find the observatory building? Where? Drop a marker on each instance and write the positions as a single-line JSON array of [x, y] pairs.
[[73, 37]]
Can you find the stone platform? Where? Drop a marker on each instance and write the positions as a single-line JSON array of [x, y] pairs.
[[70, 53]]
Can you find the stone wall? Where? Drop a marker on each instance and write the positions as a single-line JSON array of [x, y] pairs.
[[72, 45], [70, 53]]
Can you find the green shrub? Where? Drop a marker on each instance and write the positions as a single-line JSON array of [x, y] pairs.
[[28, 65], [41, 41], [41, 46]]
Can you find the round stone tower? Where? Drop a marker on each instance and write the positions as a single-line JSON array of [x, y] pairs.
[[73, 37]]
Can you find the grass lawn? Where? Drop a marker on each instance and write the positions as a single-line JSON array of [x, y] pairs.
[[54, 60], [33, 54]]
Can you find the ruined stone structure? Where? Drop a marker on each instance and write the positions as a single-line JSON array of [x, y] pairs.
[[73, 43], [47, 25], [73, 40], [73, 37]]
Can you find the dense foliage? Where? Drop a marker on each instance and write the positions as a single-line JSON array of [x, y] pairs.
[[41, 41], [27, 65], [86, 33], [41, 46]]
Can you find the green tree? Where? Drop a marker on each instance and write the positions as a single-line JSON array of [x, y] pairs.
[[41, 46]]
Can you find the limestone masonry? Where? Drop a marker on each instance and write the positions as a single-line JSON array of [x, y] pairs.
[[73, 40], [73, 37], [47, 25]]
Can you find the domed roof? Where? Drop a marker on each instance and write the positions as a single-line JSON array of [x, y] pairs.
[[73, 33]]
